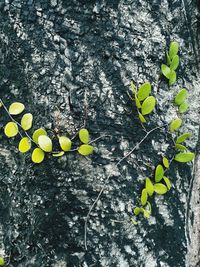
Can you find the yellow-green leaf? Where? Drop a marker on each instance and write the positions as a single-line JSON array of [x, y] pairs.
[[142, 118], [148, 105], [159, 173], [167, 181], [165, 162], [172, 77], [37, 134], [183, 107], [84, 136], [65, 143], [184, 157], [146, 213], [45, 143], [144, 197], [181, 96], [180, 147], [165, 70], [149, 186], [175, 63], [175, 125], [144, 91], [137, 102], [24, 145], [168, 59], [1, 105], [182, 138], [16, 108], [173, 49], [137, 211], [26, 121], [133, 221], [38, 155], [60, 154], [160, 188], [11, 129], [2, 261], [85, 150]]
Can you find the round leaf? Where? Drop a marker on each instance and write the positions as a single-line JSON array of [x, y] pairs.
[[137, 211], [149, 186], [144, 91], [167, 181], [37, 134], [173, 49], [159, 173], [175, 125], [181, 96], [165, 71], [182, 138], [16, 108], [84, 136], [2, 261], [175, 63], [24, 145], [172, 77], [144, 197], [85, 150], [58, 154], [160, 188], [26, 121], [45, 143], [142, 118], [11, 129], [183, 107], [184, 157], [38, 155], [148, 105], [65, 143], [166, 162]]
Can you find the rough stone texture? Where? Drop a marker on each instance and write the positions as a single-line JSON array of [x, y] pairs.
[[55, 56]]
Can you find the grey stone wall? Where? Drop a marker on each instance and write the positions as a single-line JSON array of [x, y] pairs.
[[54, 57]]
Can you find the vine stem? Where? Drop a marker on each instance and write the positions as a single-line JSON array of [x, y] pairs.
[[104, 185], [4, 106]]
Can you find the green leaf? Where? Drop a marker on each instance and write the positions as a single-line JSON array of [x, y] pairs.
[[2, 261], [146, 213], [182, 138], [38, 155], [144, 197], [168, 59], [149, 186], [181, 96], [165, 162], [24, 145], [26, 121], [137, 211], [175, 125], [165, 71], [167, 181], [149, 206], [173, 49], [65, 143], [160, 189], [142, 118], [148, 105], [175, 63], [144, 91], [84, 136], [45, 143], [172, 77], [133, 221], [137, 102], [183, 107], [184, 157], [11, 129], [85, 150], [159, 173], [60, 154], [16, 108], [37, 134], [180, 147]]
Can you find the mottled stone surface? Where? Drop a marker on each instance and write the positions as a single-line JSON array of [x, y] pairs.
[[55, 56]]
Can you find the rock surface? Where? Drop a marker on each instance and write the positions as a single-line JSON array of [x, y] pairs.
[[55, 57]]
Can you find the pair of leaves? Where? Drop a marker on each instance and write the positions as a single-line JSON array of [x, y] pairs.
[[169, 74], [146, 212], [181, 100], [85, 149]]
